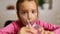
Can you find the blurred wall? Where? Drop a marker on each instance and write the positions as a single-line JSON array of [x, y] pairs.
[[52, 16], [6, 14]]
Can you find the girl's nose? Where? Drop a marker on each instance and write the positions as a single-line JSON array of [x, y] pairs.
[[29, 16]]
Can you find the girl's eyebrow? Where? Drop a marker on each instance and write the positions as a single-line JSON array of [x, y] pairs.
[[34, 9], [23, 10], [27, 10]]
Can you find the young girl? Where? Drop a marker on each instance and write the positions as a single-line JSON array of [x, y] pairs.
[[27, 12]]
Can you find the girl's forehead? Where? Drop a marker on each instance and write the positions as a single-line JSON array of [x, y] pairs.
[[28, 5]]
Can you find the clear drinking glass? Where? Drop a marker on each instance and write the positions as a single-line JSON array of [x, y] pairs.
[[35, 25]]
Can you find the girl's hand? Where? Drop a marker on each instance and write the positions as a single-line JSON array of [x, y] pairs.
[[26, 30], [42, 31]]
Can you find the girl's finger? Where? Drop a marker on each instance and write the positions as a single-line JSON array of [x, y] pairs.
[[42, 32], [51, 32], [40, 29], [31, 30], [46, 32]]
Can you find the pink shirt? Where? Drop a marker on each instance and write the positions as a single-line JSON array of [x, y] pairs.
[[14, 27]]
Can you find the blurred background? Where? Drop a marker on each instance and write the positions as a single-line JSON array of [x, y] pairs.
[[49, 11]]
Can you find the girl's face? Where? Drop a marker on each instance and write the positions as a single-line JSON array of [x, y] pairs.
[[27, 11]]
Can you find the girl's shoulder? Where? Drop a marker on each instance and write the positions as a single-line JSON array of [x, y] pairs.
[[12, 27]]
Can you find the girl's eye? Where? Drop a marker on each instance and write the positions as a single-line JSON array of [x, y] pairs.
[[23, 12], [33, 11]]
